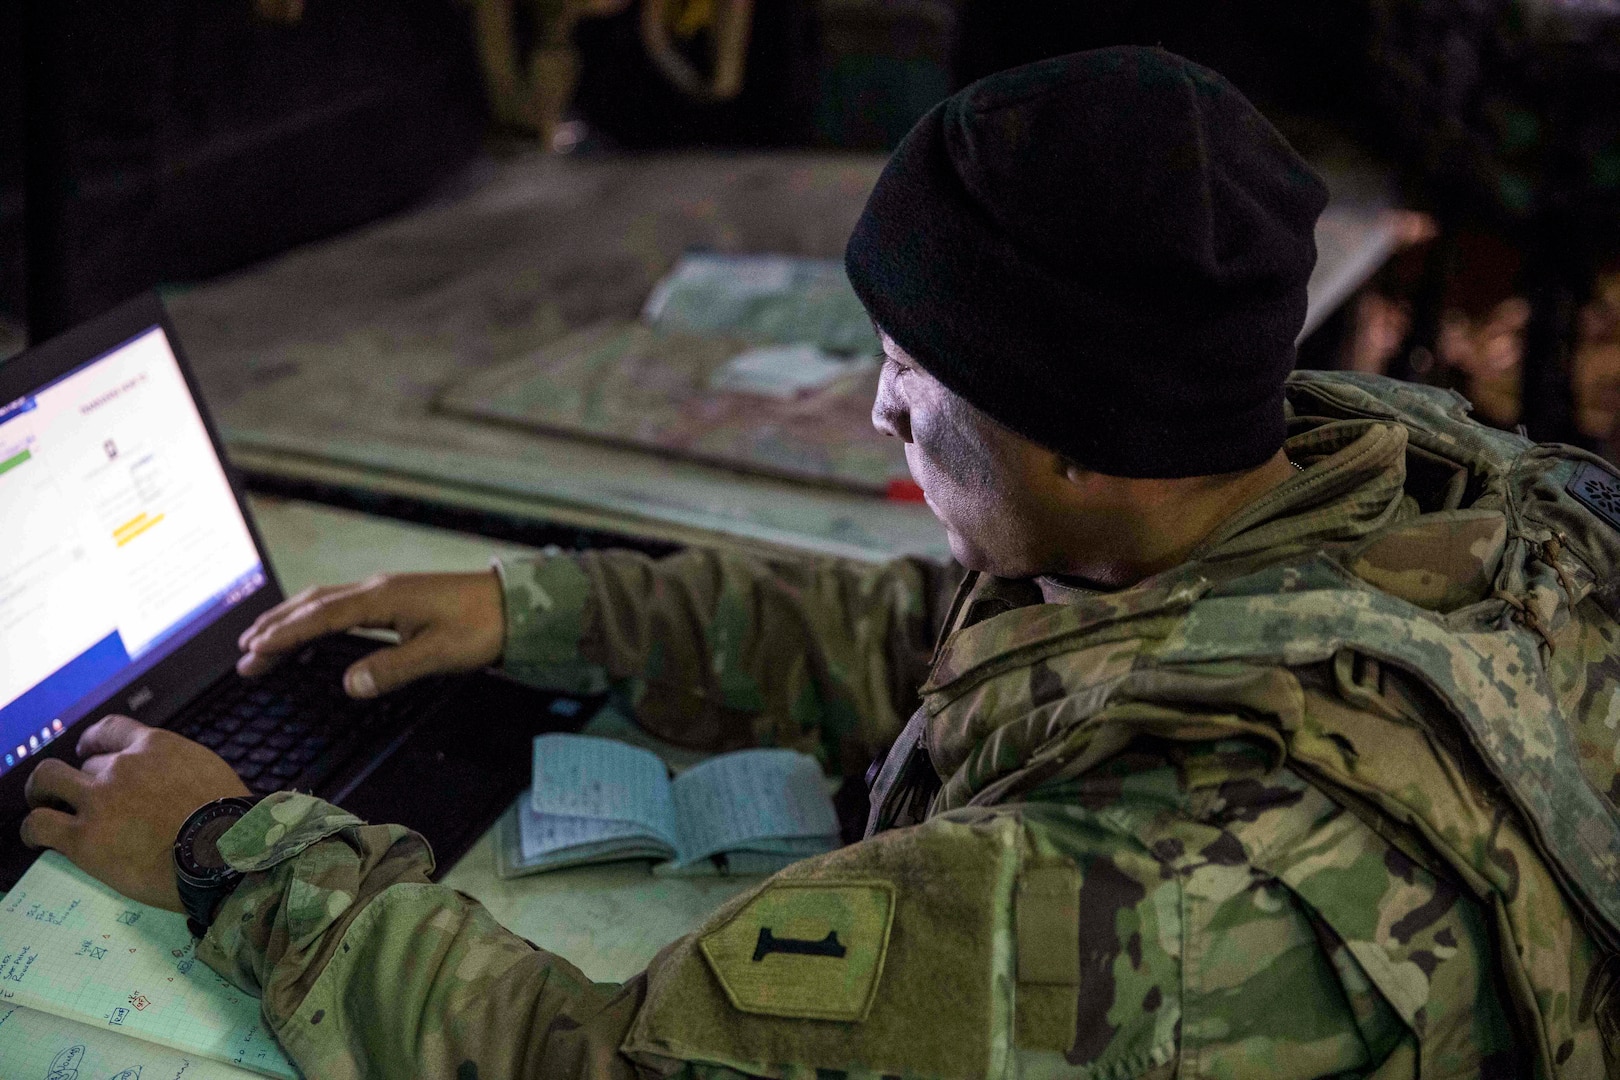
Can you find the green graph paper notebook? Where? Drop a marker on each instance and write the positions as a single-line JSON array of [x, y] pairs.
[[89, 979], [39, 1046]]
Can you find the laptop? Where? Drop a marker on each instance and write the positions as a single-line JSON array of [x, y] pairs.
[[129, 565]]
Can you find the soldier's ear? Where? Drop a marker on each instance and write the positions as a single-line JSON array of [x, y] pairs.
[[1075, 473]]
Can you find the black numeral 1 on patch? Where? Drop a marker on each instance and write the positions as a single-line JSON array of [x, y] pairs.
[[769, 943]]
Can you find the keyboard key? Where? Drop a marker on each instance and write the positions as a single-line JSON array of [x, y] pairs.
[[296, 726]]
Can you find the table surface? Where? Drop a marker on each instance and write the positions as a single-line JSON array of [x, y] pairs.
[[609, 920], [326, 364]]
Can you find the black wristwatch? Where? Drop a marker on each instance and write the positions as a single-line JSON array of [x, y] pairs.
[[200, 871]]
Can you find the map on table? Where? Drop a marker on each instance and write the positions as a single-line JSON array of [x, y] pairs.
[[764, 363], [792, 410]]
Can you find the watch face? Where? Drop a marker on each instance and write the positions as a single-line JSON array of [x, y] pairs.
[[205, 843], [196, 850]]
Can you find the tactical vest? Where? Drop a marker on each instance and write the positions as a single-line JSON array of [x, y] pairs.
[[1548, 626], [1525, 657]]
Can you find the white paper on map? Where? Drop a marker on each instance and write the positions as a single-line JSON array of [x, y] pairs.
[[785, 372]]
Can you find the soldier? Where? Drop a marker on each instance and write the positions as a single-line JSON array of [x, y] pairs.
[[1269, 734]]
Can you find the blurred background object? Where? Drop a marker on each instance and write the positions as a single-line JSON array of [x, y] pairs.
[[670, 28], [172, 142], [12, 331], [530, 79], [1505, 115]]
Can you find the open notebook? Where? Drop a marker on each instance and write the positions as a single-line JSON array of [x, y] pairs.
[[599, 800], [93, 985]]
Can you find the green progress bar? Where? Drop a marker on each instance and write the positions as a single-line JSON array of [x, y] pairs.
[[12, 462]]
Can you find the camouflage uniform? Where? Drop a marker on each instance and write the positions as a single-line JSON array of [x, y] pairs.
[[1229, 822]]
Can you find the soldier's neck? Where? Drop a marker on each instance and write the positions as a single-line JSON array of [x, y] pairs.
[[1158, 524]]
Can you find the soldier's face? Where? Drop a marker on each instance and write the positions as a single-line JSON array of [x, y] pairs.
[[1003, 499]]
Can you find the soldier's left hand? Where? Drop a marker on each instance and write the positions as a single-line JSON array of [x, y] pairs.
[[117, 815]]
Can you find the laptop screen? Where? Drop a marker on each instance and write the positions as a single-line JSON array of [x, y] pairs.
[[120, 537]]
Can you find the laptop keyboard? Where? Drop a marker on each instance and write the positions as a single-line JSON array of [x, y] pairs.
[[294, 727]]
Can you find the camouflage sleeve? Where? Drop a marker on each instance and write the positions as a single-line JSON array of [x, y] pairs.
[[719, 651], [1122, 925], [1162, 915], [365, 969]]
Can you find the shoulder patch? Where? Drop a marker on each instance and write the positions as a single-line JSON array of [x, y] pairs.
[[812, 950], [1599, 491], [924, 989]]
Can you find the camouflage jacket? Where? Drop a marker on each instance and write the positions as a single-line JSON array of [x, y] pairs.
[[1132, 853]]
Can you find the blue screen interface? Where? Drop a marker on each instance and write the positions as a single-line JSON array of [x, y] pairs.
[[122, 538]]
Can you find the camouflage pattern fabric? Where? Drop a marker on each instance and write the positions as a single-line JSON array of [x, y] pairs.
[[1204, 826], [718, 651]]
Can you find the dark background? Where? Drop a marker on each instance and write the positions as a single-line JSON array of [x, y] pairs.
[[168, 141], [172, 140], [175, 139]]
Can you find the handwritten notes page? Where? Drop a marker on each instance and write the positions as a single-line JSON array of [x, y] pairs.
[[39, 1046], [580, 776], [72, 947], [771, 802], [597, 800], [593, 800]]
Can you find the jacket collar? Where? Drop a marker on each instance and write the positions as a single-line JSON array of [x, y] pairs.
[[1351, 487]]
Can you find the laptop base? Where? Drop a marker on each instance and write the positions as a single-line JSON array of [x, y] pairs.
[[447, 766]]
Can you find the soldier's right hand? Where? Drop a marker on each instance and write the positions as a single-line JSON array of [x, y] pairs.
[[446, 623]]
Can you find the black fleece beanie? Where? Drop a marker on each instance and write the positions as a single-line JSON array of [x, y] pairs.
[[1106, 252]]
